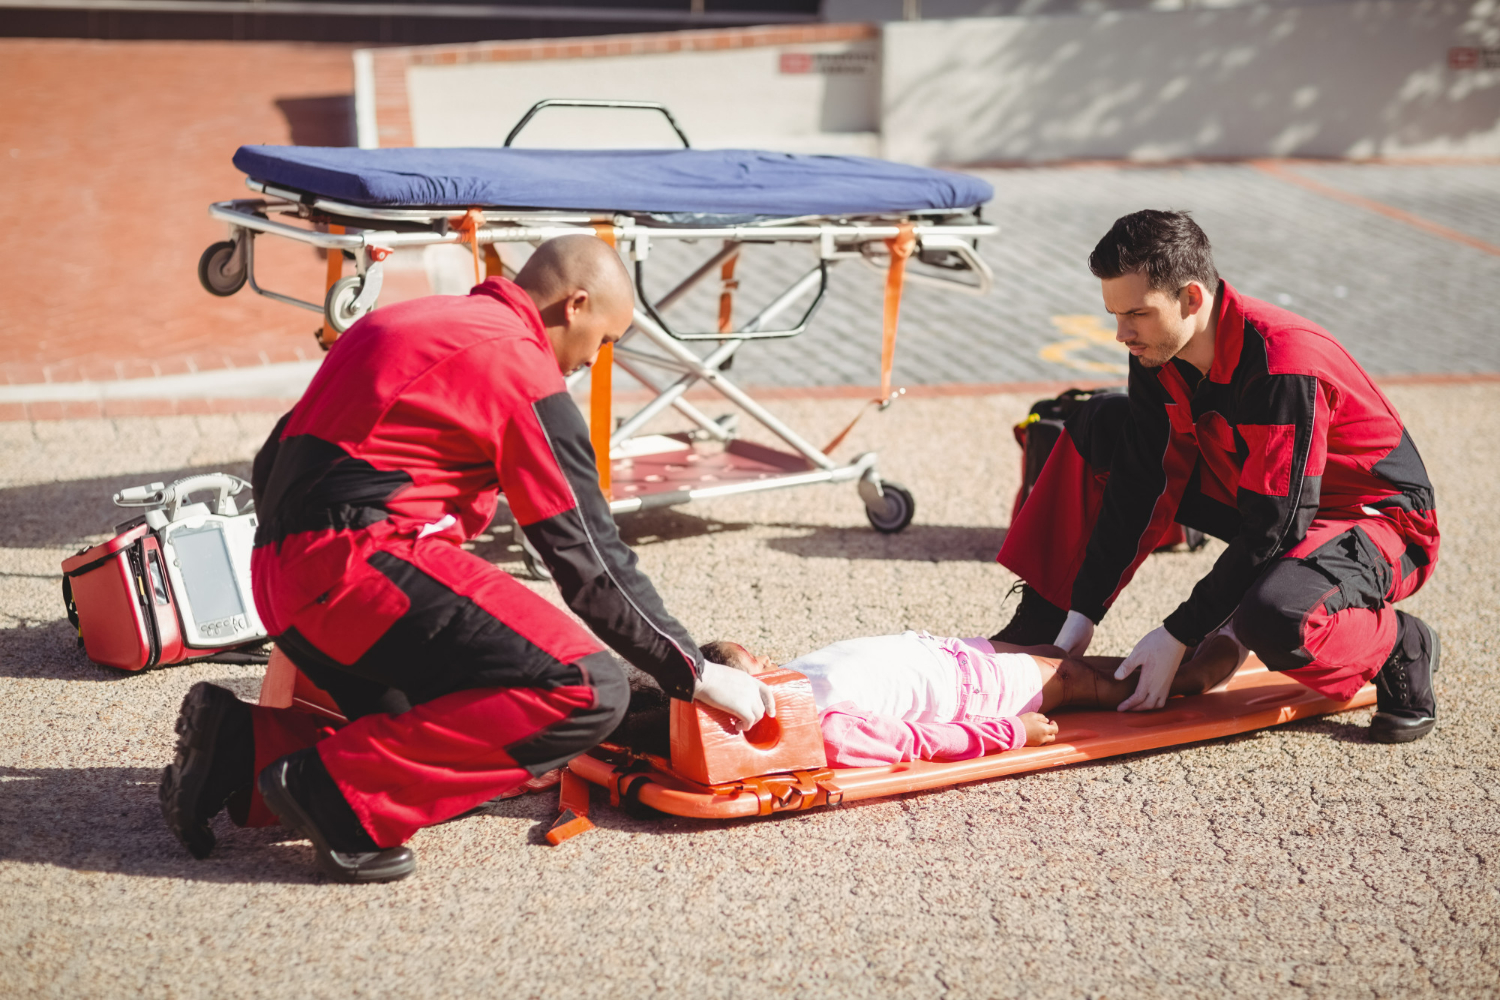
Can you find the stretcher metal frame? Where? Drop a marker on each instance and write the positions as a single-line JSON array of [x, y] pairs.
[[945, 239]]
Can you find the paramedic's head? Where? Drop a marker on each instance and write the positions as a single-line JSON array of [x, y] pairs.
[[732, 654], [1159, 280], [581, 288]]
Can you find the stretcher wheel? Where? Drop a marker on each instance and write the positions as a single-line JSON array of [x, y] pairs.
[[893, 511], [339, 305], [219, 272]]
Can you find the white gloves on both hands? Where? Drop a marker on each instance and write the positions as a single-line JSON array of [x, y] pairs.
[[739, 694]]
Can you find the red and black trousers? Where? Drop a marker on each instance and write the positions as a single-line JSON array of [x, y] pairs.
[[459, 683], [1321, 612]]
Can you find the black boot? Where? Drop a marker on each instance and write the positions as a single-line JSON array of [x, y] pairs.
[[301, 792], [1036, 621], [1406, 706], [215, 758]]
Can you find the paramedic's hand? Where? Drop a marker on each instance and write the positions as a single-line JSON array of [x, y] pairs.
[[1157, 656], [1040, 730], [736, 692], [1077, 632]]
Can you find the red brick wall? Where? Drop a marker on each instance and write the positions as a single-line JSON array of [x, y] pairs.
[[110, 153]]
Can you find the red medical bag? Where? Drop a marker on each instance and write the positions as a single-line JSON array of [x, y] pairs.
[[172, 585], [1040, 432]]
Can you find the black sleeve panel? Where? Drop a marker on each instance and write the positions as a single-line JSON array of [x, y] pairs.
[[1137, 480], [265, 461], [1283, 430], [596, 571]]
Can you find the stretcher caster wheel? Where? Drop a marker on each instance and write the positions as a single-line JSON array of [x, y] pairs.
[[220, 271], [892, 512], [339, 305]]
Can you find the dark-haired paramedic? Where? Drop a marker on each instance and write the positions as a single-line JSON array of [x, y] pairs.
[[460, 684], [1252, 424]]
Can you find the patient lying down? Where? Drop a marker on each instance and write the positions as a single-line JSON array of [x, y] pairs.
[[914, 696]]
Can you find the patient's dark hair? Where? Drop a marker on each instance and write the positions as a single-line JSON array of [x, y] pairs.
[[1168, 247], [720, 651]]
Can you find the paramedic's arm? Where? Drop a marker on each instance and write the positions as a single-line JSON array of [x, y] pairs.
[[1284, 425], [1139, 490], [548, 472]]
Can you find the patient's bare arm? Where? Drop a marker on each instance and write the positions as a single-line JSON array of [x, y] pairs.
[[1089, 682]]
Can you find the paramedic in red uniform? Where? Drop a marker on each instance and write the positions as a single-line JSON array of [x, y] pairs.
[[1252, 424], [460, 684]]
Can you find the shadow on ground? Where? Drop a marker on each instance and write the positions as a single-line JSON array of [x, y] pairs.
[[107, 819], [918, 543], [46, 515]]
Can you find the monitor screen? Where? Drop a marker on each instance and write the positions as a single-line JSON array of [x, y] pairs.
[[207, 573]]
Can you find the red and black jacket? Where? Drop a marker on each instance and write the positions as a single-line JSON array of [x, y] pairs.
[[420, 414], [1284, 429]]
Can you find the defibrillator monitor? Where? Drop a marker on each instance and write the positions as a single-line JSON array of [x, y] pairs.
[[206, 550]]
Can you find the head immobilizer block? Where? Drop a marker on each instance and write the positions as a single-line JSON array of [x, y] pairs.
[[707, 748]]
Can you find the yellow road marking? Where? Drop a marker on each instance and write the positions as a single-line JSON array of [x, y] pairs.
[[1083, 332]]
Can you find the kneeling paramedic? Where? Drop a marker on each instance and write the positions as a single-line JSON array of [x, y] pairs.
[[1252, 424], [460, 684]]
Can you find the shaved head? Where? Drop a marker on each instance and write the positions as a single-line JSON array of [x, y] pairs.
[[583, 292], [569, 263]]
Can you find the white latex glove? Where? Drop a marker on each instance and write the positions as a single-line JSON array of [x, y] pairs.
[[1076, 634], [1157, 656], [736, 692]]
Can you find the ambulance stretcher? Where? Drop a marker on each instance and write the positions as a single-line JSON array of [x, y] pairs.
[[779, 765], [366, 203]]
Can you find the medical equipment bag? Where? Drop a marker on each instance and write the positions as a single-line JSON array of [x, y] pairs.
[[1038, 434], [173, 585]]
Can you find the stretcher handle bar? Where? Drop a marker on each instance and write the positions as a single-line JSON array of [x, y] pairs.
[[230, 212], [960, 248], [247, 243], [693, 366], [570, 102], [751, 331]]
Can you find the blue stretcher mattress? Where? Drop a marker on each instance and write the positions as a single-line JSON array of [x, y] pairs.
[[677, 181]]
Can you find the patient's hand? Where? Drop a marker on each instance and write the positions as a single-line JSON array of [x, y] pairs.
[[1040, 730]]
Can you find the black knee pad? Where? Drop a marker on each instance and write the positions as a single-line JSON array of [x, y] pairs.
[[584, 727], [1270, 626], [611, 690]]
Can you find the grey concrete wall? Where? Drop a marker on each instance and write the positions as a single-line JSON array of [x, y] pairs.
[[1346, 80], [828, 103]]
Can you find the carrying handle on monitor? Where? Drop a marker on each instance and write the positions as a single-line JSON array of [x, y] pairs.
[[570, 102], [173, 497]]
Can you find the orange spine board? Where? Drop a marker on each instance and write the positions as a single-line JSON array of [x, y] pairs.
[[707, 748], [1254, 699]]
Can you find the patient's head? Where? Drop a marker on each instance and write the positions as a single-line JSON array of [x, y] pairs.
[[732, 654]]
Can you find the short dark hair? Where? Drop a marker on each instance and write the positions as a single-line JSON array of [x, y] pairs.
[[1168, 247]]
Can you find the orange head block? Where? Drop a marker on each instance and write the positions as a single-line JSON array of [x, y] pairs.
[[707, 748]]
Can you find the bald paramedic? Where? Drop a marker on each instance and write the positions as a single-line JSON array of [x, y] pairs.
[[460, 683], [1252, 424]]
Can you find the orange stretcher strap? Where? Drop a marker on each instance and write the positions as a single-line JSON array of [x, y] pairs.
[[1255, 698], [572, 810], [601, 394], [726, 295], [900, 246], [467, 226]]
